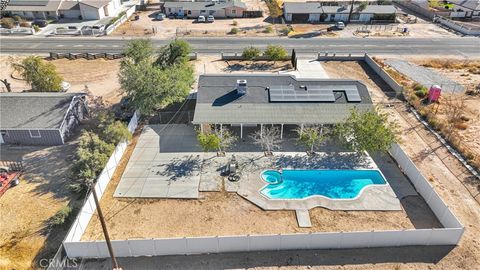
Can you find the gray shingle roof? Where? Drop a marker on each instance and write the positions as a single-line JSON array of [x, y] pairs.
[[204, 5], [33, 5], [33, 110], [317, 8], [218, 102]]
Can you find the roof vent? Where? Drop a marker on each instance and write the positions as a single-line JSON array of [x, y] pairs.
[[241, 87], [304, 87]]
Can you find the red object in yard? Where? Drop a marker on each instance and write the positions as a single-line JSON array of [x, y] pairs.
[[434, 93], [7, 179]]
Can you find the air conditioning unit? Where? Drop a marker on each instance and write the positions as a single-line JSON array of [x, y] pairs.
[[241, 87]]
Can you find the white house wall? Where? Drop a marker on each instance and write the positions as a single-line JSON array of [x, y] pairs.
[[113, 8], [314, 17], [234, 12], [70, 14]]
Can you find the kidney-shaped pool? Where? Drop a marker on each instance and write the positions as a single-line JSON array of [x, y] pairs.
[[333, 184]]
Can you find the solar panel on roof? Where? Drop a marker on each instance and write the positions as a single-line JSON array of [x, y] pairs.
[[313, 93]]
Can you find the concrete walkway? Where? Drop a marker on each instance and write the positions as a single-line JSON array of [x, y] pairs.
[[303, 219], [309, 69]]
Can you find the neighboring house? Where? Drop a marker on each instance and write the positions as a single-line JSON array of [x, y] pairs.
[[71, 9], [316, 12], [229, 9], [251, 100], [465, 8], [39, 118]]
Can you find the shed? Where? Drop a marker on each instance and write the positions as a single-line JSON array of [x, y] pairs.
[[40, 118]]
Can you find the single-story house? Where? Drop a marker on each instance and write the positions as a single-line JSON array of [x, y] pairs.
[[71, 9], [40, 118], [317, 12], [278, 99], [228, 9], [465, 8]]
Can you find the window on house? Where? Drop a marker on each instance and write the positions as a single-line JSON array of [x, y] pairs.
[[34, 133], [234, 11], [203, 11], [189, 12], [4, 133]]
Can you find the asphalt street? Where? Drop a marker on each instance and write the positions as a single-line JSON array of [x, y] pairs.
[[461, 46]]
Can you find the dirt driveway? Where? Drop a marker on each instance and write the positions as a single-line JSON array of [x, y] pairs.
[[147, 26], [25, 210]]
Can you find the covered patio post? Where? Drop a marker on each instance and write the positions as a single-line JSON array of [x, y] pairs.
[[281, 131], [261, 130], [241, 131], [221, 130]]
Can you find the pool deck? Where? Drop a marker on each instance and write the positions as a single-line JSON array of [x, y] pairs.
[[374, 197]]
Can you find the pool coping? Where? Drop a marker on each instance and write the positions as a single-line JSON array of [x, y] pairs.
[[316, 195]]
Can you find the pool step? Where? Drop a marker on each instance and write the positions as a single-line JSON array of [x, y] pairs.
[[303, 219]]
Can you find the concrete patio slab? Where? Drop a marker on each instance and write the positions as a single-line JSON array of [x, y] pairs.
[[303, 218]]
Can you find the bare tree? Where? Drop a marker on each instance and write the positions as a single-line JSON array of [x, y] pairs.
[[269, 139], [227, 139], [7, 85], [454, 108]]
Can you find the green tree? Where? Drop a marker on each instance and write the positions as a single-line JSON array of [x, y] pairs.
[[139, 50], [362, 6], [276, 53], [111, 130], [367, 131], [208, 141], [176, 52], [91, 157], [312, 136], [42, 76], [152, 85], [251, 53]]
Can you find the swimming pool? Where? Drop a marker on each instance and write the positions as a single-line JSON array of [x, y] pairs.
[[333, 184]]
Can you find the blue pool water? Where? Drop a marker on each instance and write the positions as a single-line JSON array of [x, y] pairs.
[[334, 184]]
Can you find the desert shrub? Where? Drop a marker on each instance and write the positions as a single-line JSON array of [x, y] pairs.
[[464, 118], [474, 70], [234, 23], [276, 53], [251, 53], [25, 24], [268, 29], [461, 126], [286, 30], [8, 23], [17, 18], [234, 31], [36, 28], [433, 122], [61, 216]]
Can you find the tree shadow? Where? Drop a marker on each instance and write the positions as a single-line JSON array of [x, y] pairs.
[[181, 167], [330, 160]]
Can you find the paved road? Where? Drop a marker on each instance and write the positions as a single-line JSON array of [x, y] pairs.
[[462, 46]]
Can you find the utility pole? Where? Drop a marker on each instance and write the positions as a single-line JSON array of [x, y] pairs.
[[104, 228]]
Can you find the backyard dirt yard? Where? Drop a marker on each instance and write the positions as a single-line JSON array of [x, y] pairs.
[[99, 75], [224, 213], [25, 210], [457, 187]]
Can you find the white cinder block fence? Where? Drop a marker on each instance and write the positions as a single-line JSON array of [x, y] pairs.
[[449, 235]]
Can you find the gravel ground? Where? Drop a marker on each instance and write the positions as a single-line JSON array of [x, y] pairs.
[[425, 76]]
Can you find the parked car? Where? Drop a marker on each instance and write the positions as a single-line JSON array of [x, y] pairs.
[[171, 16], [99, 27], [340, 25], [40, 23], [210, 19], [201, 19], [160, 17]]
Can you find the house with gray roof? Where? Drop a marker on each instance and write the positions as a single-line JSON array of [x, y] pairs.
[[227, 9], [69, 9], [258, 100], [302, 12], [39, 118], [465, 8]]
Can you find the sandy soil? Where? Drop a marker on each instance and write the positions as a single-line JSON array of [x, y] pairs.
[[100, 76], [25, 209], [222, 213], [450, 179]]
